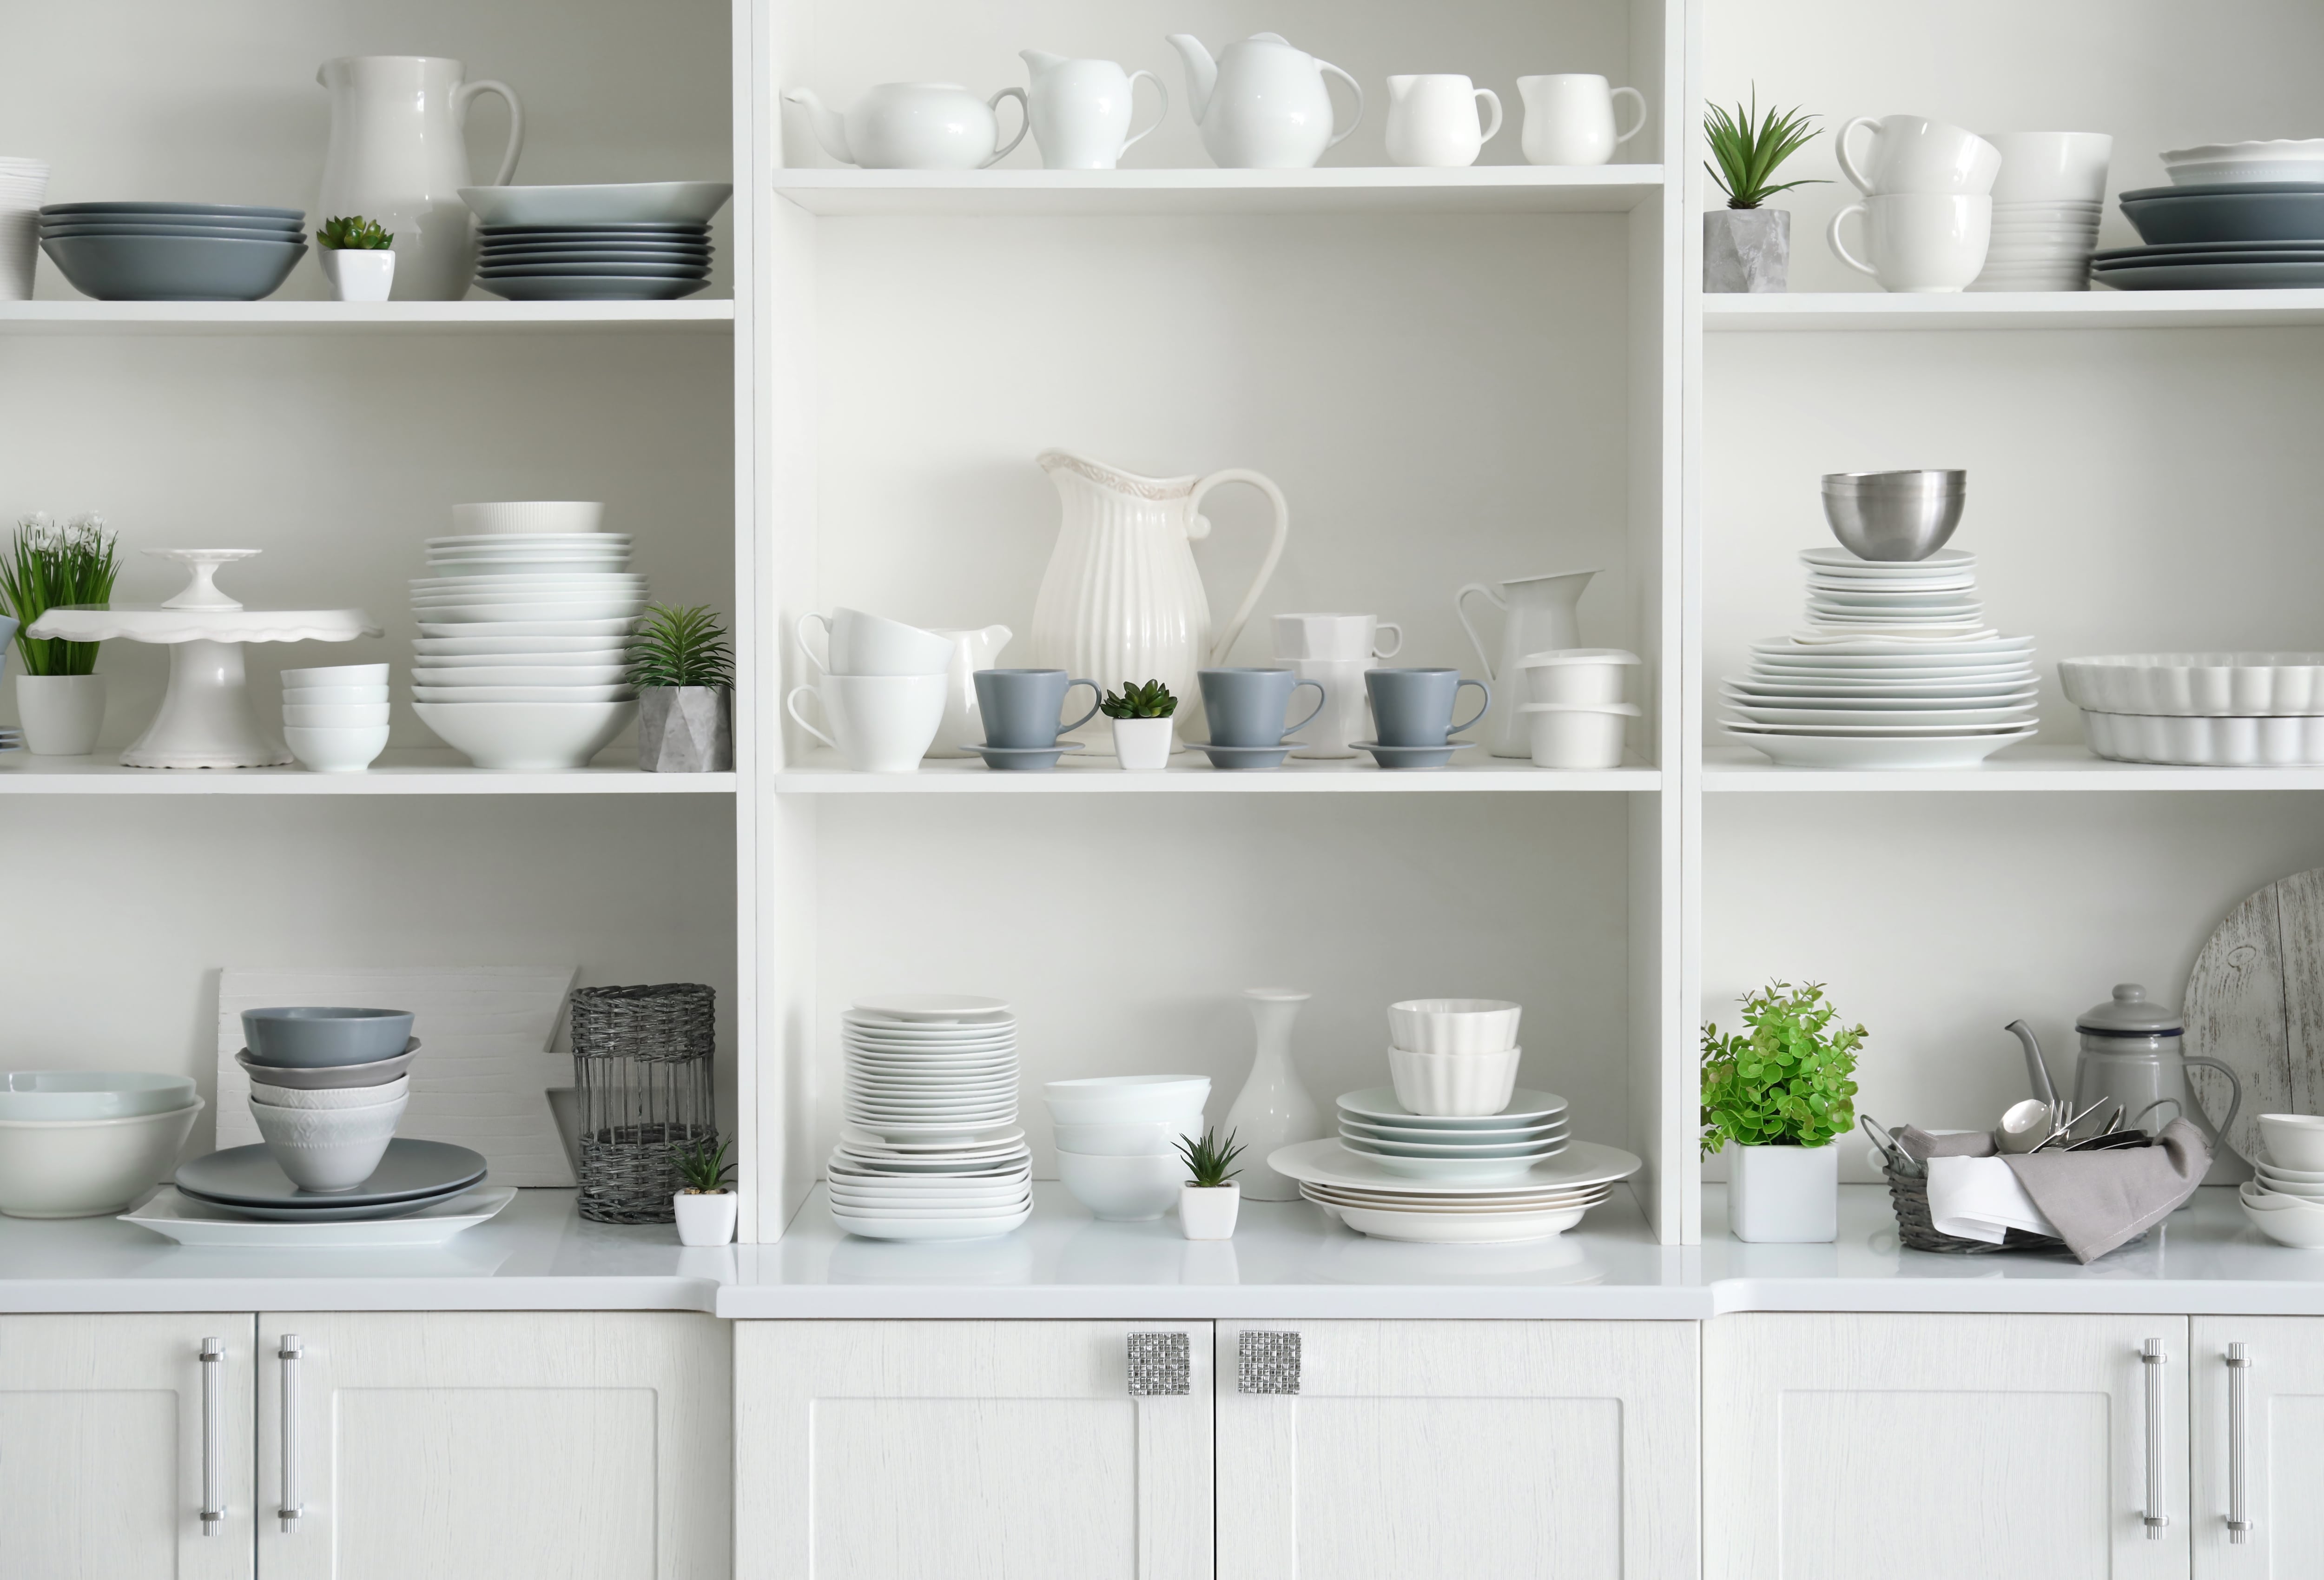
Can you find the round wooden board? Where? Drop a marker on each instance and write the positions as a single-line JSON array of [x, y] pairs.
[[2256, 1002]]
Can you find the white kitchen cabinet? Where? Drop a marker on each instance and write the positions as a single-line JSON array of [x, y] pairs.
[[115, 1436], [1935, 1447], [586, 1445], [2276, 1448], [1438, 1450], [971, 1451]]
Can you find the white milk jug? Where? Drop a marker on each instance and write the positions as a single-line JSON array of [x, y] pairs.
[[1540, 612]]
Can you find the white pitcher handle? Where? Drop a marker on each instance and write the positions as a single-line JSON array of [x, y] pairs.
[[1233, 627], [466, 96], [790, 706], [1460, 607], [1832, 235], [1024, 121], [1847, 166], [1487, 96], [1354, 87], [1161, 87], [819, 662], [1622, 137]]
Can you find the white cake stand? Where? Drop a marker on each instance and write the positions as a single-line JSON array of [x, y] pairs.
[[205, 720]]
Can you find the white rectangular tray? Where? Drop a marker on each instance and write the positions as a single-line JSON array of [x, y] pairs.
[[192, 1223]]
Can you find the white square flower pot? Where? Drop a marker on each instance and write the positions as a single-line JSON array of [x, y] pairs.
[[1784, 1196], [706, 1217], [1208, 1212], [1143, 744], [359, 274]]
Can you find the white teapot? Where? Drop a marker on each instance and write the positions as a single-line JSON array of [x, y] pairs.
[[1263, 104], [915, 125]]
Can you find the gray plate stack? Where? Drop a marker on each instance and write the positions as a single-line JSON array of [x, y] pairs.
[[172, 252], [638, 262]]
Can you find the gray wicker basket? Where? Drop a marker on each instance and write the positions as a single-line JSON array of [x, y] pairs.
[[641, 1068], [1909, 1192]]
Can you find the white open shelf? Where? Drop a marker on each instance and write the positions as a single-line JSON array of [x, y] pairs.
[[402, 772], [1190, 774], [2018, 768], [1611, 188], [1812, 312], [243, 317]]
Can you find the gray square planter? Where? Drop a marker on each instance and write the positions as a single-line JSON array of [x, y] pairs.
[[1746, 250], [686, 729]]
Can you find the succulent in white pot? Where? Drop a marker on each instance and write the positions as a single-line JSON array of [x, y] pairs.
[[706, 1205], [1210, 1200], [358, 258], [1783, 1092], [1142, 725], [59, 696]]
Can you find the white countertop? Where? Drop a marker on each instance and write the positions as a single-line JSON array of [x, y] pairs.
[[1285, 1262]]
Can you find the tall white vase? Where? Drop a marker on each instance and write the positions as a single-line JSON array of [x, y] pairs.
[[1273, 1109]]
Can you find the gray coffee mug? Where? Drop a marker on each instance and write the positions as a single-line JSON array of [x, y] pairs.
[[1413, 708], [1021, 707], [1246, 706]]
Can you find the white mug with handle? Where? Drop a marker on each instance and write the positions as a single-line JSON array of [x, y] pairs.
[[1569, 118], [880, 724], [1912, 153], [1919, 243]]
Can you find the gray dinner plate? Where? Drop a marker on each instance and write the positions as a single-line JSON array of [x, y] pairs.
[[594, 251], [2259, 211], [617, 271], [2214, 276], [322, 1213], [2260, 251], [572, 287], [249, 1177], [635, 227], [133, 226], [295, 216]]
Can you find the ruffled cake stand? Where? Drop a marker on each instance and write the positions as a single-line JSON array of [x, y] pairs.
[[205, 720]]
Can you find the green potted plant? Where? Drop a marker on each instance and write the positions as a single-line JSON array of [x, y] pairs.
[[1781, 1091], [1210, 1199], [357, 256], [59, 696], [683, 672], [1142, 725], [1746, 247], [705, 1204]]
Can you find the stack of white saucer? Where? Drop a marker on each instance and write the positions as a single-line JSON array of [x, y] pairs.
[[24, 183]]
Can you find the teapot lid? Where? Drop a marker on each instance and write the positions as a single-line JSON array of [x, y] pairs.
[[2130, 1013]]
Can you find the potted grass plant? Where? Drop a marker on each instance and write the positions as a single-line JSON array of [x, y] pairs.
[[1142, 723], [1210, 1199], [1746, 247], [683, 672], [358, 258], [705, 1204], [1781, 1091], [59, 696]]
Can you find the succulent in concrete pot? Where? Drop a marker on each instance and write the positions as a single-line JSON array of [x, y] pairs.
[[683, 672], [1746, 247]]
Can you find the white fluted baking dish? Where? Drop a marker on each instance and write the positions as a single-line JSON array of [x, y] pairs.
[[2279, 742], [2246, 685]]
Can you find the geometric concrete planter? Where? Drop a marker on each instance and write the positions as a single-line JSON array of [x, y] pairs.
[[1746, 250], [686, 729]]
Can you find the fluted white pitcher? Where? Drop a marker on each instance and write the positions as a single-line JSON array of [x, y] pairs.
[[1122, 601]]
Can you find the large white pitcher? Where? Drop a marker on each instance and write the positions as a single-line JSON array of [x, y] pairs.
[[1122, 601], [1540, 610], [398, 156]]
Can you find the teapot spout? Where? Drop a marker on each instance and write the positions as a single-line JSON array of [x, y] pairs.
[[2037, 1073], [830, 127], [1201, 73]]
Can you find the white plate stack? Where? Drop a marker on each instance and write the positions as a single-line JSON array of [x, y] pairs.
[[1496, 1146], [1547, 1197], [23, 182], [931, 1149], [1898, 668]]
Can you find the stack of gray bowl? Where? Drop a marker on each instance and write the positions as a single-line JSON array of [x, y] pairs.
[[172, 252], [633, 262]]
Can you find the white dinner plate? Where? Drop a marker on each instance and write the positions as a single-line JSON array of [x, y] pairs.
[[1455, 1151], [1918, 720], [997, 1136], [1524, 1108], [962, 1042], [1458, 1228], [921, 1007], [1882, 752], [1327, 1162], [935, 1206], [1464, 1170], [1930, 690], [930, 1229], [563, 650], [469, 629], [1841, 560], [1588, 1196], [193, 1222], [1350, 1125], [1899, 732], [1983, 647]]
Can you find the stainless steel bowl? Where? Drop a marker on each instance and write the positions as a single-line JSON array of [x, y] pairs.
[[1894, 516]]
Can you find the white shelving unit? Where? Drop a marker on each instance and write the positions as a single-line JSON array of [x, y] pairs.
[[1819, 312]]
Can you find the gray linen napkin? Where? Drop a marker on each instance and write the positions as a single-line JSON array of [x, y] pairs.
[[2101, 1200]]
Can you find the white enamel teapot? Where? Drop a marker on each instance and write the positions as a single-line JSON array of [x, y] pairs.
[[1262, 105], [915, 125]]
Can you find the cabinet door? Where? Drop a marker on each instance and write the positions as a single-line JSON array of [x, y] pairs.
[[972, 1451], [115, 1436], [1457, 1450], [587, 1446], [2276, 1448], [1927, 1447]]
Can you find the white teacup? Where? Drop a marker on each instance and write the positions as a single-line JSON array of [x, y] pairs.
[[1912, 153], [1569, 118], [880, 724], [856, 644], [1432, 120], [1919, 243], [1336, 637], [2052, 167], [1347, 715]]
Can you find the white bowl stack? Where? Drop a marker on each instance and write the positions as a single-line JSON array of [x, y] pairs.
[[2213, 710], [335, 719], [931, 1149], [522, 659], [79, 1143], [1898, 668], [2284, 1199], [2047, 202], [1118, 1140], [1453, 1057], [23, 182]]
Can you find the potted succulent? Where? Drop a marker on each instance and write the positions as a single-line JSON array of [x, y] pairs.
[[59, 696], [1210, 1199], [705, 1205], [1782, 1092], [683, 672], [1746, 247], [1142, 725], [357, 256]]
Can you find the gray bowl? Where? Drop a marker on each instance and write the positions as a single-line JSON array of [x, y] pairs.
[[308, 1036], [156, 268], [1896, 517], [2258, 211]]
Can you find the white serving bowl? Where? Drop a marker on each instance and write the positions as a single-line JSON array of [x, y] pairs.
[[342, 715], [1455, 1025], [2287, 1220], [2294, 1140], [1573, 737], [394, 1091], [614, 203], [1122, 1190], [1125, 1099], [526, 517], [338, 675], [334, 749], [1453, 1084], [331, 695], [2277, 1183], [1577, 674], [85, 1168], [522, 736], [328, 1149], [1129, 1141], [53, 1095]]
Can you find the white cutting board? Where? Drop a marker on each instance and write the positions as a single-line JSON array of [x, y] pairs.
[[484, 1068]]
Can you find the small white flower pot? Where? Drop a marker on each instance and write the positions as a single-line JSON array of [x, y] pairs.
[[706, 1217], [1143, 744], [1784, 1196], [1207, 1212], [358, 274], [61, 714]]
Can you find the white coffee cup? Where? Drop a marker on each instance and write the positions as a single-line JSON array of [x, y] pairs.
[[1346, 717], [2052, 167], [1569, 118], [1432, 120], [1919, 243], [1912, 153], [880, 724], [1335, 638], [856, 644], [1080, 110]]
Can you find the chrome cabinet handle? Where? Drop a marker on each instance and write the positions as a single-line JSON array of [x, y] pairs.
[[213, 1355], [2239, 1522], [291, 1509], [2152, 1358]]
